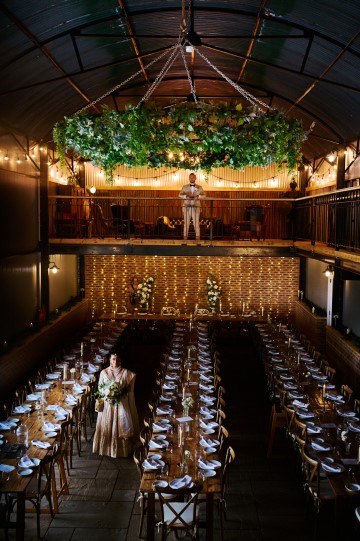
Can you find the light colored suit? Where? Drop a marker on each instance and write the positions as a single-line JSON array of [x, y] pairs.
[[191, 194]]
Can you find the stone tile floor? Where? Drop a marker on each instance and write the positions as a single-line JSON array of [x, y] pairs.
[[265, 500]]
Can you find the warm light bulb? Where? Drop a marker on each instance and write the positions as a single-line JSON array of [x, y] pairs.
[[92, 189], [6, 157], [331, 157]]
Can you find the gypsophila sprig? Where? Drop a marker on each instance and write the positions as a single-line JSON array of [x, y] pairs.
[[214, 293], [145, 291], [188, 402], [112, 391]]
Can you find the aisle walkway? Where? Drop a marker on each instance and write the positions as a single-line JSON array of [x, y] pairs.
[[265, 501]]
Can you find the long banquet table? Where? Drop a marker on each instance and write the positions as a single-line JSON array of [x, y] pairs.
[[333, 429], [52, 402], [188, 372]]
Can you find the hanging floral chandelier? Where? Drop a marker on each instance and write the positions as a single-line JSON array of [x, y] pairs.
[[190, 135]]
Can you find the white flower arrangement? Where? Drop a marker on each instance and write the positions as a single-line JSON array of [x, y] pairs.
[[145, 290], [188, 402], [214, 293], [112, 391]]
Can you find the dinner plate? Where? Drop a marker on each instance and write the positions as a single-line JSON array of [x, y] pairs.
[[30, 463], [209, 473], [160, 483], [329, 468], [50, 434], [353, 487], [25, 472]]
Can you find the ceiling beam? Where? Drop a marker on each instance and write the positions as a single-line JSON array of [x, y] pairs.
[[252, 41], [46, 54], [133, 39]]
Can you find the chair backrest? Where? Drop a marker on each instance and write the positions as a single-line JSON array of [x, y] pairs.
[[178, 514], [346, 392], [330, 373], [229, 459], [356, 406], [139, 456]]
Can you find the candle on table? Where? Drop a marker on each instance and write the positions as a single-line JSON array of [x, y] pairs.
[[188, 374], [220, 305], [72, 372], [82, 349], [180, 436], [323, 391], [65, 372], [262, 310], [298, 293], [359, 455], [243, 307], [298, 358], [183, 393], [189, 353], [115, 307]]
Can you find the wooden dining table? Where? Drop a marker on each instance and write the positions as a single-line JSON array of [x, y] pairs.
[[191, 432], [291, 366], [87, 351]]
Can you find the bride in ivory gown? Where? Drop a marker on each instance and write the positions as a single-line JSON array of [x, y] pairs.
[[117, 426]]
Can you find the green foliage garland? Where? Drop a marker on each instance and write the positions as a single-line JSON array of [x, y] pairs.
[[190, 136]]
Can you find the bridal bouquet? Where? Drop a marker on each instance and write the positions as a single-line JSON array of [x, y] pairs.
[[214, 293], [145, 291], [112, 391]]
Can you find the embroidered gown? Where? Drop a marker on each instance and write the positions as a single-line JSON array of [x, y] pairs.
[[117, 427]]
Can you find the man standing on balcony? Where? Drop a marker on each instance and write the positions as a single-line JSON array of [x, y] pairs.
[[191, 194]]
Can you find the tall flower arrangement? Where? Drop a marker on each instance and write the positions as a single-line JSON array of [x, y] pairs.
[[214, 293], [145, 291]]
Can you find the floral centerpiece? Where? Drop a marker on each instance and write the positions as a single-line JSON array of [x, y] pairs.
[[186, 404], [145, 291], [112, 391], [214, 293]]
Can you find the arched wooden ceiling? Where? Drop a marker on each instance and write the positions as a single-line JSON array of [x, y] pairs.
[[300, 56]]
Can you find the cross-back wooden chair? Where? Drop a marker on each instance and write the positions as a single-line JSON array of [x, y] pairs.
[[180, 514]]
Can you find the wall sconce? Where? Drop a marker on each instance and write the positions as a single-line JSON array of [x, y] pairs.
[[329, 271], [92, 190], [53, 267]]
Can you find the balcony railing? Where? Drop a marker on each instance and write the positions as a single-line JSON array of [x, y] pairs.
[[332, 219], [91, 217]]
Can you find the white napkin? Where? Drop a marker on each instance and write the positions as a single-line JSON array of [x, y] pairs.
[[6, 468], [208, 388], [26, 462], [169, 386], [42, 386], [61, 411], [85, 378], [41, 444], [319, 446], [354, 428], [207, 399], [205, 464], [50, 426], [346, 413], [157, 444], [52, 407], [208, 379], [165, 398], [92, 369], [305, 414], [332, 468], [314, 430], [6, 425], [71, 400], [299, 404], [162, 410], [104, 351], [152, 463], [55, 375], [319, 377], [98, 358], [22, 409], [209, 442], [33, 396], [159, 427], [77, 389], [181, 483], [334, 397]]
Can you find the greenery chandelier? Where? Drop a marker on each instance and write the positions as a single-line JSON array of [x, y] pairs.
[[191, 135]]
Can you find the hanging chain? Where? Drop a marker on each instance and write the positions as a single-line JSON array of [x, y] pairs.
[[161, 74], [242, 91], [94, 102], [192, 88]]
